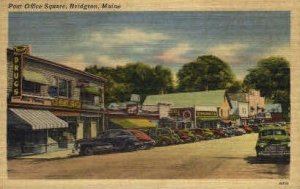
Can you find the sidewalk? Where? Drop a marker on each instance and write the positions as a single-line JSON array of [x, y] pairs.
[[51, 155]]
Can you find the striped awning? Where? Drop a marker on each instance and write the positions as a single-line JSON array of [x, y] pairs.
[[39, 119]]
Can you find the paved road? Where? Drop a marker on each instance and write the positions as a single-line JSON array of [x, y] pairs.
[[222, 158]]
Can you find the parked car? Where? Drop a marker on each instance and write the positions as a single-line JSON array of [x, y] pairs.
[[164, 136], [110, 140], [205, 133], [238, 131], [121, 139], [183, 135], [218, 132], [273, 142], [228, 131], [246, 128], [92, 146], [147, 141], [255, 128]]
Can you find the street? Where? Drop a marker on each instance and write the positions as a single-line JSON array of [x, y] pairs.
[[226, 158]]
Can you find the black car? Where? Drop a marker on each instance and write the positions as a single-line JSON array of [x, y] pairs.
[[110, 140], [92, 146], [121, 139]]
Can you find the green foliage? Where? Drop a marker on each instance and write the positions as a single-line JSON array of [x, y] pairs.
[[137, 78], [235, 87], [272, 78], [206, 73]]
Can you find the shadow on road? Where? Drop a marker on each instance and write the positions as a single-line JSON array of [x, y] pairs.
[[255, 160]]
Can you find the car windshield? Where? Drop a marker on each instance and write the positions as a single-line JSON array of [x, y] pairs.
[[273, 132]]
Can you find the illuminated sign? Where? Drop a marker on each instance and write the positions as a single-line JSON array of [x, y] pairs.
[[17, 75], [66, 103]]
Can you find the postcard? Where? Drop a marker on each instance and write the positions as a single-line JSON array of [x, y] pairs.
[[129, 94]]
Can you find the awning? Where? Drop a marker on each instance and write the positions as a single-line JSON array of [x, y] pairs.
[[35, 77], [208, 118], [133, 123], [91, 90], [39, 119]]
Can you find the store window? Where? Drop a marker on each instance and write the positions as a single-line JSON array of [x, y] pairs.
[[62, 88], [31, 87]]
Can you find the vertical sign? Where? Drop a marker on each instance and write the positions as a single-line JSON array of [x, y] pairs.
[[17, 75]]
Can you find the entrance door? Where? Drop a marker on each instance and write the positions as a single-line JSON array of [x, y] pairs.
[[87, 129]]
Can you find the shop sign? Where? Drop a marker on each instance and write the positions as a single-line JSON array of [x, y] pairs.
[[17, 75], [66, 103], [206, 114], [184, 113]]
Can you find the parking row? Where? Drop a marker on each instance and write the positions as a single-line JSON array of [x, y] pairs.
[[116, 140]]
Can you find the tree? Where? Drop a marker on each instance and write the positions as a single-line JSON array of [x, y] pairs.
[[206, 73], [272, 77], [235, 87], [135, 78]]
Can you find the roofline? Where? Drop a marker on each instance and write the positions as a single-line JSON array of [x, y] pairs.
[[63, 67]]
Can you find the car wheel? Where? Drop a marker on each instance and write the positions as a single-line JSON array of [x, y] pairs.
[[164, 143], [87, 151], [143, 147]]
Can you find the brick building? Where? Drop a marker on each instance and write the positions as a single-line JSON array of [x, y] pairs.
[[49, 104]]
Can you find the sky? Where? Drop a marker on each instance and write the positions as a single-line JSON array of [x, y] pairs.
[[171, 39]]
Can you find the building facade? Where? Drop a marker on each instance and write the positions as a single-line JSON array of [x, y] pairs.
[[50, 105], [256, 102], [195, 109]]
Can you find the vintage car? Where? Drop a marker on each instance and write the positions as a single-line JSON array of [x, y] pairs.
[[183, 135], [205, 133], [92, 146], [110, 140], [273, 142], [164, 136], [246, 128], [147, 141], [218, 133], [238, 131]]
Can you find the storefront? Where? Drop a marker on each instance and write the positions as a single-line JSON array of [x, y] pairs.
[[184, 117], [50, 105], [34, 131], [207, 117]]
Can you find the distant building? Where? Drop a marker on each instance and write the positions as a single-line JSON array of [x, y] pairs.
[[195, 109], [246, 106], [240, 108], [49, 104], [256, 102], [132, 115], [273, 113]]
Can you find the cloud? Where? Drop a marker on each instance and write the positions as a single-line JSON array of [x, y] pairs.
[[126, 36], [282, 51], [76, 61], [176, 54], [230, 53], [112, 62], [130, 36]]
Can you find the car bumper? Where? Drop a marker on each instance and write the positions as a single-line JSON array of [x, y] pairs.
[[149, 144], [273, 154]]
